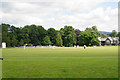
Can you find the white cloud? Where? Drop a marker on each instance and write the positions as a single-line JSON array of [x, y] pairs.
[[57, 13]]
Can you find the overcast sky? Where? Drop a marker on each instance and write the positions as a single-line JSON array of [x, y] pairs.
[[58, 13]]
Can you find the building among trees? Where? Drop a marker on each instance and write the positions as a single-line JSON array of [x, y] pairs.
[[108, 41]]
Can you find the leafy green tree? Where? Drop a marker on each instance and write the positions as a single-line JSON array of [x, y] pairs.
[[42, 33], [46, 41], [77, 31], [21, 42], [69, 36], [94, 38], [8, 42], [88, 37], [114, 33], [5, 32], [33, 34], [52, 35], [88, 29], [25, 35], [62, 34], [14, 42], [94, 28], [103, 35], [59, 41]]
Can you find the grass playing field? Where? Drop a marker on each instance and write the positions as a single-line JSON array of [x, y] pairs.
[[99, 62]]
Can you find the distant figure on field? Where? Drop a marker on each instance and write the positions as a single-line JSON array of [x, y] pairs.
[[53, 47], [94, 46], [84, 46], [77, 46], [24, 46], [50, 46]]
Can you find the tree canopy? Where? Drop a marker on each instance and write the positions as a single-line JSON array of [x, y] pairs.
[[89, 37], [59, 41], [52, 33], [69, 36], [114, 33], [38, 35]]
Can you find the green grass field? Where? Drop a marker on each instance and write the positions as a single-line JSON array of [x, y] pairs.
[[99, 62]]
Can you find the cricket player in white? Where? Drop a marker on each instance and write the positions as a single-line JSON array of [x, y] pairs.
[[84, 46], [24, 46]]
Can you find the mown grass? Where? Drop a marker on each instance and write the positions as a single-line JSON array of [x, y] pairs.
[[99, 62]]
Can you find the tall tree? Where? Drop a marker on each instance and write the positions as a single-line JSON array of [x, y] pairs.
[[21, 43], [69, 36], [25, 35], [5, 32], [42, 33], [14, 41], [33, 34], [46, 41], [62, 34], [77, 31], [52, 35], [59, 41], [114, 33]]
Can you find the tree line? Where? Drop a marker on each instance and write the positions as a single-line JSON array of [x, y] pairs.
[[34, 35]]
